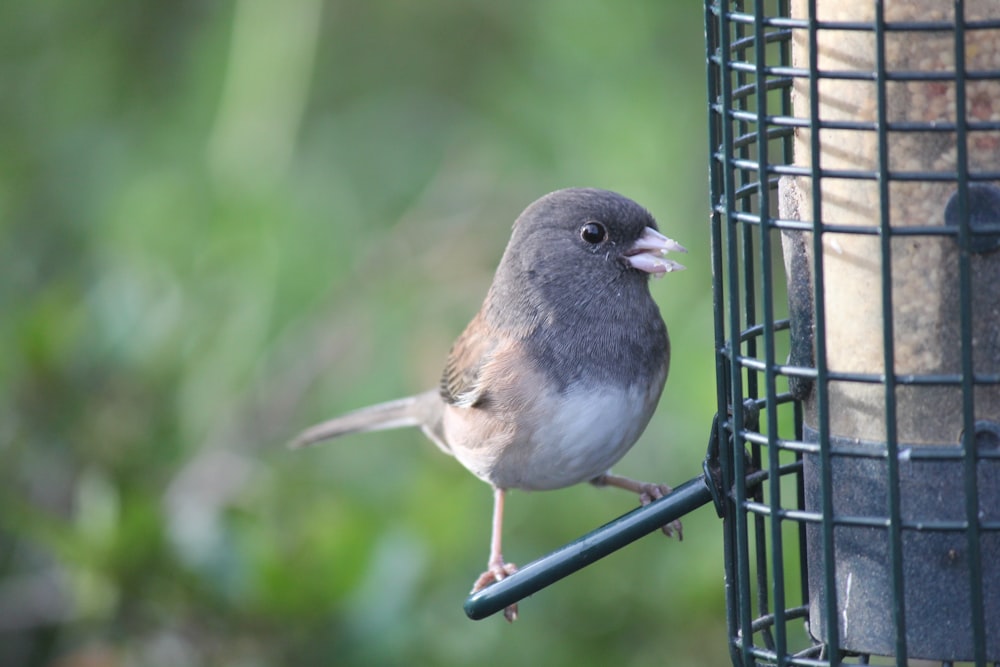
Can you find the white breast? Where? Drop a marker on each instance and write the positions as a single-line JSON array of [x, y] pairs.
[[570, 438]]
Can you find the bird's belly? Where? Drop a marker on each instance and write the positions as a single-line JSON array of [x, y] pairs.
[[570, 438]]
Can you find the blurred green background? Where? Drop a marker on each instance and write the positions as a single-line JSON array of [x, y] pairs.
[[223, 221]]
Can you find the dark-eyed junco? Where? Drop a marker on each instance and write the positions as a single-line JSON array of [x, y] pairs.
[[561, 369]]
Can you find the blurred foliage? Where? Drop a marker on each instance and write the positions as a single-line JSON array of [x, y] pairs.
[[224, 221]]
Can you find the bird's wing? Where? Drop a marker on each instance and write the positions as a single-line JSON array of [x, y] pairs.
[[460, 382]]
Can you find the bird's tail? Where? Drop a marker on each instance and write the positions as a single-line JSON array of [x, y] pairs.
[[410, 411]]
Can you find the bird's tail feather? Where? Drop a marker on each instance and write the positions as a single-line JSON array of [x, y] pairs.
[[409, 411]]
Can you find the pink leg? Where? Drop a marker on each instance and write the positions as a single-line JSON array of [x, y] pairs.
[[648, 492], [496, 568]]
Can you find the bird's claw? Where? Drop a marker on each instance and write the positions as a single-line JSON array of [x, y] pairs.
[[495, 573], [498, 572], [650, 492]]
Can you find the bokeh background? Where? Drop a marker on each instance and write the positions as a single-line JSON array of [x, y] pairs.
[[223, 221]]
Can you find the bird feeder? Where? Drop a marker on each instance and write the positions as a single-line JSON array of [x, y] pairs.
[[856, 158], [855, 455]]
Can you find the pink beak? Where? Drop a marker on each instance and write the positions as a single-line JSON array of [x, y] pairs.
[[649, 252]]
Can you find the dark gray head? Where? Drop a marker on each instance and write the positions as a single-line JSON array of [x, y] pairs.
[[584, 240], [576, 272]]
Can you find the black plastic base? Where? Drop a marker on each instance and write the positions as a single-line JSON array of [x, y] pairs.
[[938, 613]]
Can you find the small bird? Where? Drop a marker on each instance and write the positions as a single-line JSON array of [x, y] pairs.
[[559, 372]]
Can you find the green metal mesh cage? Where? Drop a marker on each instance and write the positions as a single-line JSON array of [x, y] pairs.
[[856, 222]]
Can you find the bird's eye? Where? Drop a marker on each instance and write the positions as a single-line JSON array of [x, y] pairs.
[[593, 233]]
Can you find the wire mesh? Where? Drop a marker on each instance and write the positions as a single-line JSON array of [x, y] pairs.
[[856, 218]]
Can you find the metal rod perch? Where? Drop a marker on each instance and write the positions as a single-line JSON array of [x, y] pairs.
[[591, 547]]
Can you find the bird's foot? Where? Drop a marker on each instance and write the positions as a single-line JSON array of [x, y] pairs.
[[648, 492], [497, 570]]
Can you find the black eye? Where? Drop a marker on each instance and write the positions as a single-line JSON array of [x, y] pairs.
[[593, 233]]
